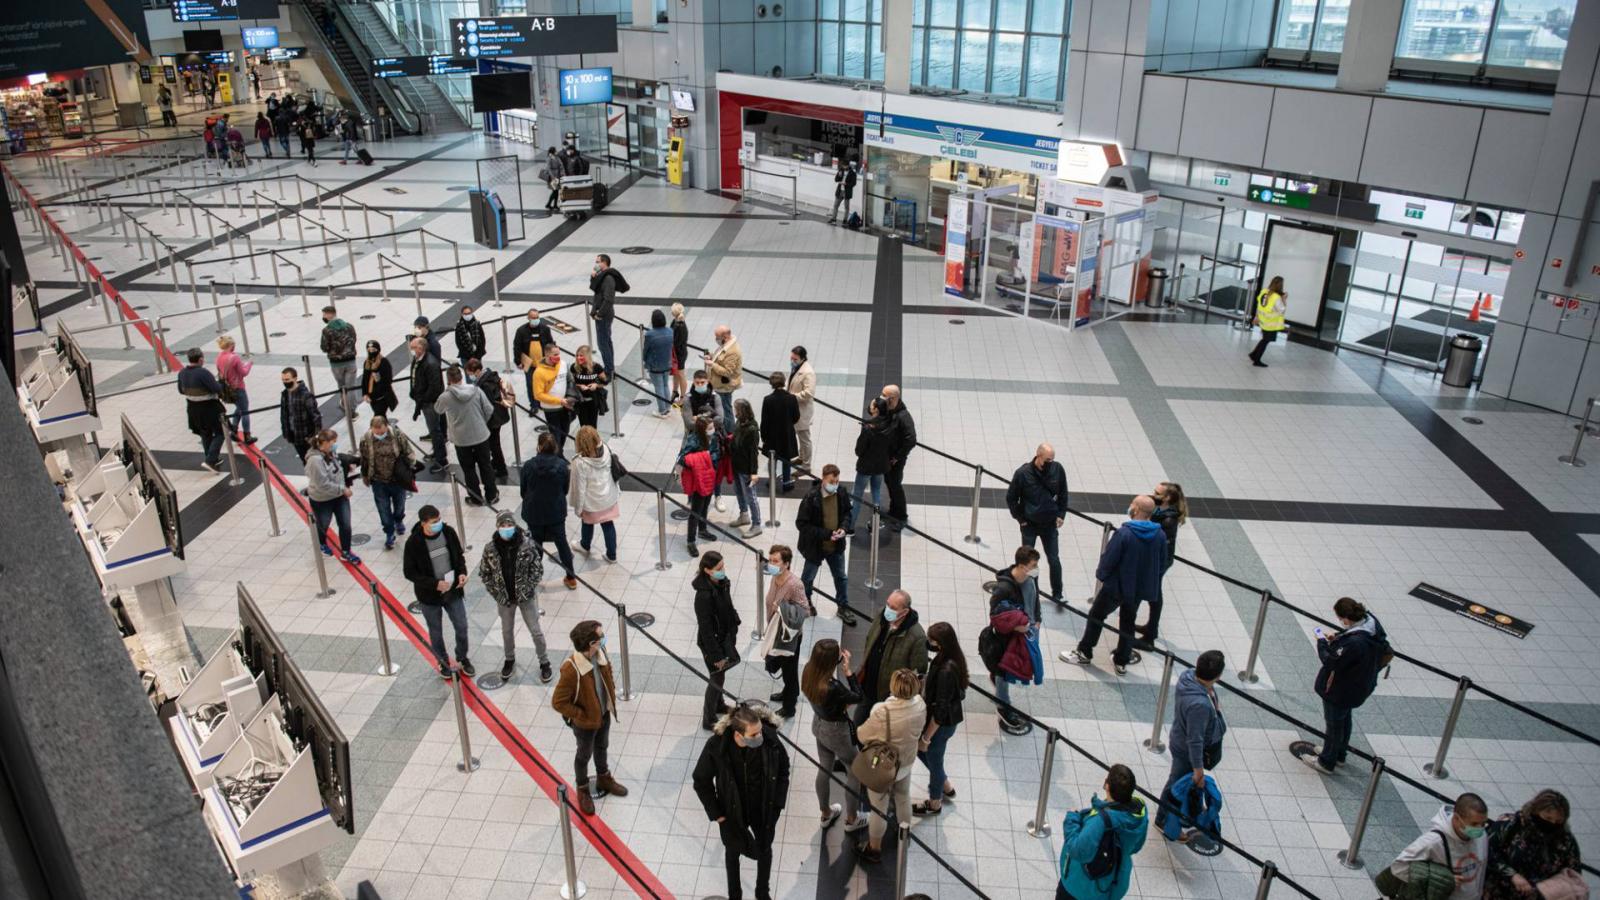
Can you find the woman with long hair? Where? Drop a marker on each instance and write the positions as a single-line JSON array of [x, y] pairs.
[[586, 387], [329, 495], [680, 355], [830, 686], [746, 466], [1531, 846], [1172, 510], [1271, 304], [377, 381], [593, 493], [942, 691]]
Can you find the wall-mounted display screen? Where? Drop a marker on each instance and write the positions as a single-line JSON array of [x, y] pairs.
[[198, 41], [505, 90], [284, 54], [534, 35], [37, 36], [582, 86], [260, 38]]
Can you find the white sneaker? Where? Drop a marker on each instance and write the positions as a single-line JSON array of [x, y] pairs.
[[743, 520], [1073, 656], [753, 531], [210, 468], [720, 506]]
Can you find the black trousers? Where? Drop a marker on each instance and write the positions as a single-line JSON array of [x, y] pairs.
[[497, 455], [592, 744], [556, 534], [478, 471], [1267, 337], [763, 869], [895, 480], [790, 667], [558, 421], [699, 508], [712, 710], [1127, 614]]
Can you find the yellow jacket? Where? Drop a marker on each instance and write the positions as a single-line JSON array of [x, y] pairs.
[[1269, 310], [545, 390], [726, 367]]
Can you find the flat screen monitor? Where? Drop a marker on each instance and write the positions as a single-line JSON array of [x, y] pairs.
[[202, 41], [260, 38], [585, 86], [502, 90]]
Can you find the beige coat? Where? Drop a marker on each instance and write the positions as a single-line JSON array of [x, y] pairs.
[[726, 367], [803, 385], [900, 722]]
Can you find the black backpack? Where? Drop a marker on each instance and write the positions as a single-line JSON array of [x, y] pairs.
[[1107, 858], [991, 648]]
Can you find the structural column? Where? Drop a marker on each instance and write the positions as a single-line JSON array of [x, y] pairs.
[[1369, 42], [897, 46]]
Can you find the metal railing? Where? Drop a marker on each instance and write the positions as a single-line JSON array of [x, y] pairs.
[[794, 187], [217, 308]]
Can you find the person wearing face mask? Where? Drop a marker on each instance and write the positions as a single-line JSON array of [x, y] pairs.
[[1122, 813], [470, 341], [1351, 660], [896, 640], [511, 569], [377, 381], [787, 610], [527, 345], [697, 472], [437, 569], [780, 411], [872, 457], [299, 418], [725, 365], [339, 343], [746, 463], [420, 328], [550, 392], [898, 720], [544, 508], [1129, 572], [702, 402], [1452, 854], [427, 386], [586, 696], [902, 440], [1195, 737], [594, 495], [1532, 850], [823, 521], [658, 361], [387, 466], [586, 388], [942, 692], [680, 354], [500, 397], [467, 411], [605, 283], [1037, 499], [742, 780], [1172, 511], [831, 689], [716, 631], [330, 498], [803, 385], [1012, 638]]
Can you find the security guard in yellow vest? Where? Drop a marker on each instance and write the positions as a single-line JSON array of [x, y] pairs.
[[1270, 305]]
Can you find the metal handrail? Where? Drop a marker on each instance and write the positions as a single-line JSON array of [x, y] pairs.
[[238, 304]]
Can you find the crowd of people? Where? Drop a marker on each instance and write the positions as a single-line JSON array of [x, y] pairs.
[[875, 718]]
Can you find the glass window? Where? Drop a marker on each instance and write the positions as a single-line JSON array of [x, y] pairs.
[[875, 51], [1045, 65], [1007, 77], [1011, 15], [855, 51], [855, 10], [1331, 22], [974, 60], [919, 37], [919, 12], [1049, 18], [942, 13], [941, 57], [1531, 33], [829, 10], [1296, 20], [975, 13], [828, 48], [1445, 30]]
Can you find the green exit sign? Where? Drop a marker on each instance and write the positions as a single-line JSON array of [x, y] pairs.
[[1222, 179], [1413, 211], [1278, 197]]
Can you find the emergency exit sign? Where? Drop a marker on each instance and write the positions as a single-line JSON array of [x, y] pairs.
[[1414, 210], [1221, 179]]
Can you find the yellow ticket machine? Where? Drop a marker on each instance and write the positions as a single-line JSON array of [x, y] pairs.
[[225, 87], [675, 161]]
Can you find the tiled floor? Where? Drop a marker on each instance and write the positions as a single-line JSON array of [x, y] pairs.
[[1125, 404]]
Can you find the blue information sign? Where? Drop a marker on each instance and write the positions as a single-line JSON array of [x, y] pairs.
[[260, 38], [580, 86]]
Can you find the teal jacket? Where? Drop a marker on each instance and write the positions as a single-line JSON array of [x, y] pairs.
[[1080, 840]]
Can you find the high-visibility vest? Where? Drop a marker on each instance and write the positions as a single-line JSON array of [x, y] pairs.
[[1269, 311]]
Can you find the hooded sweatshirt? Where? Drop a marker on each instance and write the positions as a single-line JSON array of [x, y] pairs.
[[1197, 722], [1467, 858], [466, 411], [1080, 840], [1349, 672], [592, 490], [1133, 560]]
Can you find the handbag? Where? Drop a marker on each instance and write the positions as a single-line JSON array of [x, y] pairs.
[[877, 766], [229, 394], [617, 468], [1564, 885]]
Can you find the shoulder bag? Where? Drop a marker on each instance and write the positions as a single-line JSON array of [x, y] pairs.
[[877, 766]]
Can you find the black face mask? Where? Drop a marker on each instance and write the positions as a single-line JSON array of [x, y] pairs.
[[1548, 827], [933, 648]]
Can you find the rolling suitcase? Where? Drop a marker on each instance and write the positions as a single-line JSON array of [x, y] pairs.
[[602, 196], [364, 156]]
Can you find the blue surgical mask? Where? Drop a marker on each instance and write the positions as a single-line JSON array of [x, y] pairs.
[[1473, 833], [603, 642], [433, 527], [772, 569], [381, 437], [889, 615], [534, 322], [701, 388], [507, 533], [720, 575], [830, 489]]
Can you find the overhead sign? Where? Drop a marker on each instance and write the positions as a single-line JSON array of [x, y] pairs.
[[263, 37], [581, 86], [51, 37], [284, 54], [1085, 162], [994, 147], [1280, 197], [1467, 609], [412, 66], [223, 10], [534, 35]]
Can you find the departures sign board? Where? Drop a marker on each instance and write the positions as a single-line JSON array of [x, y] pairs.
[[488, 38]]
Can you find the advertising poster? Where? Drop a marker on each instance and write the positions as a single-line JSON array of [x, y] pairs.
[[616, 132], [955, 246], [43, 37], [1086, 284]]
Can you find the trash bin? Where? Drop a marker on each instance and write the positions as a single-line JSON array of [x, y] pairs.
[[1158, 288], [1463, 359]]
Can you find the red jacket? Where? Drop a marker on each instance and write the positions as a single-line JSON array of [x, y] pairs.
[[1016, 661], [699, 478]]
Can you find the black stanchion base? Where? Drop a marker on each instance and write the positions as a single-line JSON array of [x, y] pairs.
[[1203, 844], [679, 515], [642, 620], [1021, 728], [357, 540], [540, 429], [642, 401], [491, 681], [537, 214]]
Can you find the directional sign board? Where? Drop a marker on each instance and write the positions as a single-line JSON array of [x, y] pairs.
[[409, 66], [534, 35]]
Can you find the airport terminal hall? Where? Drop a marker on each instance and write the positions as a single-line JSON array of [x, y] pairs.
[[800, 449]]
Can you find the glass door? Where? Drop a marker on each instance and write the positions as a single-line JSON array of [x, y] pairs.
[[1199, 227], [1374, 294]]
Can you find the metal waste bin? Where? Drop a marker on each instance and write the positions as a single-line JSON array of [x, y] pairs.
[[1158, 288], [1463, 359]]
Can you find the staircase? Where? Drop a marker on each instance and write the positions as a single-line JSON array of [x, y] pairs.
[[423, 93]]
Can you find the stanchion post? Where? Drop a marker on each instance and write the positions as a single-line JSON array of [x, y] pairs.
[[1106, 529], [1154, 744], [1249, 673], [1436, 768], [272, 503], [622, 643], [1269, 871], [1573, 459], [772, 490], [1350, 857], [616, 412], [661, 533], [758, 631], [516, 437], [469, 763], [455, 497], [349, 415], [233, 463], [872, 583], [387, 667], [902, 855], [316, 555], [571, 887], [977, 496], [1040, 827]]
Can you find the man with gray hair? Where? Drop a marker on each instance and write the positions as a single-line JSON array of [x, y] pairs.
[[896, 640], [902, 430], [1129, 571]]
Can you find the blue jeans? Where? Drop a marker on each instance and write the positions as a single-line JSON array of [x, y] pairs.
[[211, 445], [745, 490], [608, 530], [348, 147], [602, 336], [328, 510], [1051, 535], [933, 758], [266, 146], [1002, 691], [835, 561], [1338, 723], [659, 382], [391, 503], [727, 408], [434, 616], [862, 481], [241, 411]]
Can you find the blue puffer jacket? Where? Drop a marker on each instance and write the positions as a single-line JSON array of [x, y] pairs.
[[1080, 841], [1134, 559], [658, 349], [1201, 809]]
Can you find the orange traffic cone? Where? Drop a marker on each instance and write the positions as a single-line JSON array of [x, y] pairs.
[[1488, 303], [1473, 316]]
